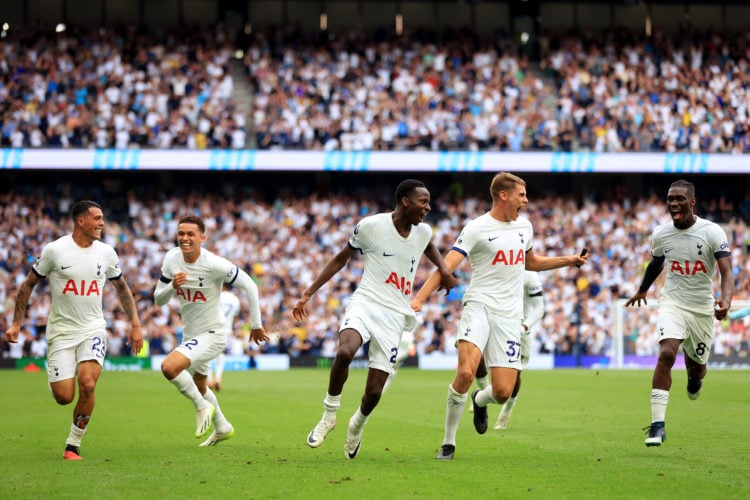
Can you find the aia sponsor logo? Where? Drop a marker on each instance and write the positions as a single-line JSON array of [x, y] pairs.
[[402, 284], [688, 268], [510, 258], [81, 288], [190, 295]]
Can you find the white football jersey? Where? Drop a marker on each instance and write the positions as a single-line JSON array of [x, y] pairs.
[[199, 297], [533, 303], [390, 260], [230, 307], [76, 281], [497, 252], [690, 262]]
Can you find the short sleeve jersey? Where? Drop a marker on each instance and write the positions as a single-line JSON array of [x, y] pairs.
[[390, 260], [497, 252], [77, 276], [199, 297], [690, 263]]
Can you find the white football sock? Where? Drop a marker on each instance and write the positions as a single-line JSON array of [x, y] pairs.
[[659, 402], [220, 421], [357, 421], [331, 405], [508, 405], [185, 384], [454, 408], [483, 382], [484, 397], [75, 436]]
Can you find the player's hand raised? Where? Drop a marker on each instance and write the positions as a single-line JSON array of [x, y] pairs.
[[299, 312], [258, 335]]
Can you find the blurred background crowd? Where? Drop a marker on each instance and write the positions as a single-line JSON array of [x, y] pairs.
[[278, 88], [283, 237]]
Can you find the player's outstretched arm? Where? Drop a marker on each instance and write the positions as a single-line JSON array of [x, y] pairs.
[[653, 270], [334, 265], [246, 283], [452, 260], [22, 301], [135, 335], [536, 262], [447, 280]]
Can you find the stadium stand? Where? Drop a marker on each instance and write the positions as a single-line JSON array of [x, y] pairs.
[[605, 91]]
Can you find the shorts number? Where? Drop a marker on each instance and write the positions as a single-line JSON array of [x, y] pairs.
[[98, 347], [392, 359], [514, 350], [191, 343], [700, 349]]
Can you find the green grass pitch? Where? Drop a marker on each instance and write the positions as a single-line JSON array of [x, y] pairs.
[[573, 434]]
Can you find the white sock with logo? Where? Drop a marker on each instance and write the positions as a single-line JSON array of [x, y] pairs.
[[454, 408]]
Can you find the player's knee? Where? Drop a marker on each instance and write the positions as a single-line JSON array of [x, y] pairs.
[[63, 398], [168, 370], [667, 357], [86, 387], [344, 357], [502, 394]]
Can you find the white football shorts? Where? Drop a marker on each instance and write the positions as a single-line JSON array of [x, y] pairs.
[[201, 349], [381, 327], [498, 337], [63, 356], [695, 330]]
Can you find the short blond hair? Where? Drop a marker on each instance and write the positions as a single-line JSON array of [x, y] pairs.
[[504, 181]]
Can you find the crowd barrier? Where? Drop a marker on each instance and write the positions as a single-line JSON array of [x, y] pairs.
[[437, 361]]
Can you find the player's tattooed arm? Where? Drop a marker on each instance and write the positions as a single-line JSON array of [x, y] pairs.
[[126, 300], [19, 313], [135, 335], [24, 296]]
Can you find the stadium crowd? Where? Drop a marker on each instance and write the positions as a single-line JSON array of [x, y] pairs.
[[118, 88], [614, 91], [283, 242]]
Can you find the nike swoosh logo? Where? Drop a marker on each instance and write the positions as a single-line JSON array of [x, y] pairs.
[[387, 254], [65, 267], [668, 249], [310, 438], [493, 238]]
